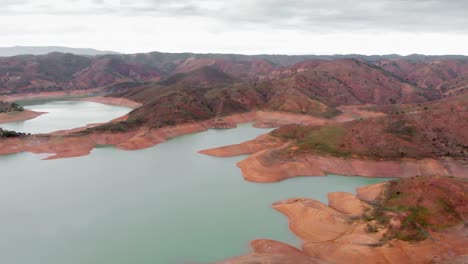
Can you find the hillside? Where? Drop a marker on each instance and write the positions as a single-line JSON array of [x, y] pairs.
[[432, 130], [312, 88], [187, 97], [442, 75], [409, 140], [349, 81], [67, 72], [333, 80]]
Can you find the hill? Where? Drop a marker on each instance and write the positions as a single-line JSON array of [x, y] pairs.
[[431, 130]]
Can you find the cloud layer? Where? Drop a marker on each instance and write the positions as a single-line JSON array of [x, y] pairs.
[[255, 20]]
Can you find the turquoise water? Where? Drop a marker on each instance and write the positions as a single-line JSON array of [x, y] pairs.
[[166, 204], [66, 115]]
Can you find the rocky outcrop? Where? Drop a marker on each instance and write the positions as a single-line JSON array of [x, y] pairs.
[[260, 143], [382, 224], [265, 166], [270, 251], [329, 224], [346, 203]]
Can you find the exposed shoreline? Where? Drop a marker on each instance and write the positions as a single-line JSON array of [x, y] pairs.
[[264, 165], [19, 116], [65, 145], [116, 101], [339, 233], [68, 145]]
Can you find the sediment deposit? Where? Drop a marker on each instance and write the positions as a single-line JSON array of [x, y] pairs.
[[19, 116], [365, 228]]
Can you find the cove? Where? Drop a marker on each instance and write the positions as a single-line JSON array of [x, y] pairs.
[[63, 115], [165, 204]]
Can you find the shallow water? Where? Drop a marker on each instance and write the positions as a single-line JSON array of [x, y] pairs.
[[66, 115], [166, 204]]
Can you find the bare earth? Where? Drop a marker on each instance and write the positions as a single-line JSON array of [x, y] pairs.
[[19, 116], [118, 101], [338, 232]]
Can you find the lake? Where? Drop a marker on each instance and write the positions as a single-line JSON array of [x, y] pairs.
[[165, 204], [66, 115]]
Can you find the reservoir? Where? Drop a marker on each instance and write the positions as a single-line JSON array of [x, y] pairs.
[[63, 115], [165, 204]]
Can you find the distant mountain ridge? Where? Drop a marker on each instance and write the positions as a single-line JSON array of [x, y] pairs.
[[279, 59], [330, 79], [39, 50]]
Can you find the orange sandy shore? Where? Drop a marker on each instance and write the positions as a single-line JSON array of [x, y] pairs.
[[65, 145], [118, 101], [336, 233], [19, 116], [264, 166]]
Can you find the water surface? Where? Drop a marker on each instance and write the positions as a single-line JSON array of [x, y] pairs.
[[166, 204], [66, 115]]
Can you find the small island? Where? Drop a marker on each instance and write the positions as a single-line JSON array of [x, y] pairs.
[[13, 112], [7, 107]]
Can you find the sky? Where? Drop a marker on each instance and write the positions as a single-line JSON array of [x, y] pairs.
[[240, 26]]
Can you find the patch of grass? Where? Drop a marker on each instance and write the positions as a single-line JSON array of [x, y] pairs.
[[447, 207], [418, 216], [293, 131], [325, 139], [6, 107], [401, 128], [10, 134], [371, 228]]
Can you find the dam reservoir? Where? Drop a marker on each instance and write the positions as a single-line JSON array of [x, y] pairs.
[[165, 204]]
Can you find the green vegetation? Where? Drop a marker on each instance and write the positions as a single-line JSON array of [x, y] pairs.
[[292, 131], [325, 139], [6, 107], [408, 213], [413, 222], [301, 105], [123, 126], [401, 128], [9, 134], [318, 139]]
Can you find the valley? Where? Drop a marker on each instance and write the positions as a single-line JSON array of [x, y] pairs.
[[371, 116]]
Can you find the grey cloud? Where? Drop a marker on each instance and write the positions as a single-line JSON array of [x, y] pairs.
[[307, 15], [323, 15]]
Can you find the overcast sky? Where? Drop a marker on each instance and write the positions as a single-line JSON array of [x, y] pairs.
[[240, 26]]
